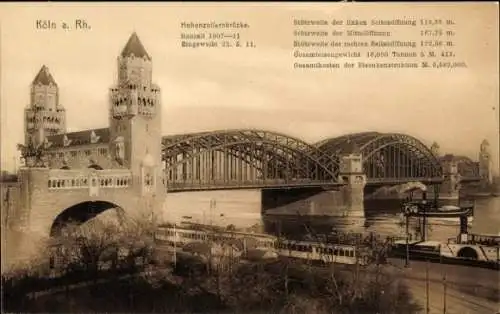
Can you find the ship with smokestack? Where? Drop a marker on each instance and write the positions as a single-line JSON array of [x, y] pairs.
[[466, 248]]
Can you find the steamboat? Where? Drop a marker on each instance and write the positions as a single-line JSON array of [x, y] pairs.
[[466, 248]]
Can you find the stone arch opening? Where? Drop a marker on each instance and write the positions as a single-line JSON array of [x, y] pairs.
[[81, 213]]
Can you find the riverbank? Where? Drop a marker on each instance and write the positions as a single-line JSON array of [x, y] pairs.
[[468, 290], [265, 287]]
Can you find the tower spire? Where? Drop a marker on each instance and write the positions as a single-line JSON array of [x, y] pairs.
[[134, 47], [44, 116], [44, 77]]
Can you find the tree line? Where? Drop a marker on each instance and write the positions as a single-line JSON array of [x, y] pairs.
[[126, 271]]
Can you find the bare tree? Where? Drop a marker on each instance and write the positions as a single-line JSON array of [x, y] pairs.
[[84, 245]]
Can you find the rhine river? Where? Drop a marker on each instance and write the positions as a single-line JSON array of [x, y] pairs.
[[242, 208], [381, 217], [385, 220]]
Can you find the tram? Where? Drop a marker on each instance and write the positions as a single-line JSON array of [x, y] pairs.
[[325, 253], [306, 250], [181, 236]]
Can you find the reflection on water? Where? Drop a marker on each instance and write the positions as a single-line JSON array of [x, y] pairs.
[[385, 220]]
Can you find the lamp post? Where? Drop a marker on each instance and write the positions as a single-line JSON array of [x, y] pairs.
[[409, 210], [424, 218], [427, 305], [175, 247], [444, 293], [213, 205], [407, 261]]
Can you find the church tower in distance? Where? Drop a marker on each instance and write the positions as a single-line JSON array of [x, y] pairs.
[[135, 118], [485, 163], [44, 115]]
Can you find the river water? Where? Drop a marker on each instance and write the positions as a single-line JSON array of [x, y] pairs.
[[385, 219], [381, 217]]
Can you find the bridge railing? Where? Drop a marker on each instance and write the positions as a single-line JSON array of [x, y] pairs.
[[470, 178], [261, 183], [403, 180], [84, 178]]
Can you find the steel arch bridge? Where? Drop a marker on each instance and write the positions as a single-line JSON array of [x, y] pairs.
[[249, 158], [388, 158], [238, 159]]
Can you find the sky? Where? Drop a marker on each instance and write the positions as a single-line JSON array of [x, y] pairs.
[[218, 88]]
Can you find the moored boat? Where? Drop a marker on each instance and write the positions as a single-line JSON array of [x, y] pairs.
[[469, 252], [469, 249]]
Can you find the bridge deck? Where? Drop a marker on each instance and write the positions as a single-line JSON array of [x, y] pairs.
[[257, 184], [395, 181]]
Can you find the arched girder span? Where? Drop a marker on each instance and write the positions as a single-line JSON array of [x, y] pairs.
[[260, 156], [336, 143], [80, 213], [388, 155], [258, 148]]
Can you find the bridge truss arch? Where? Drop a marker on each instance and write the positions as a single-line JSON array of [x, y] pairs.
[[240, 157], [388, 157]]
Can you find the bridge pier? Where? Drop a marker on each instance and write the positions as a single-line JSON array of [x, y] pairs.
[[347, 201], [449, 190], [351, 172], [33, 188], [24, 235]]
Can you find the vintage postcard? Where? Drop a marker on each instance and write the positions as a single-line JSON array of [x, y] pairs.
[[281, 157]]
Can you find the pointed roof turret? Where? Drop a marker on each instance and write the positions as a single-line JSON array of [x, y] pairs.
[[435, 149], [135, 47], [485, 146], [44, 77]]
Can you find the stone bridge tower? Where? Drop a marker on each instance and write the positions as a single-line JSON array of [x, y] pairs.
[[131, 181], [435, 149], [135, 122], [450, 188], [351, 172], [485, 164], [44, 115]]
